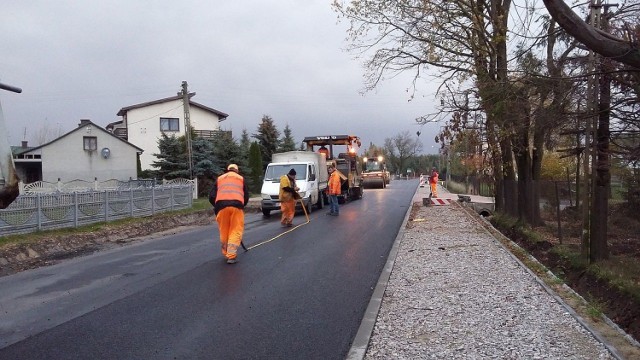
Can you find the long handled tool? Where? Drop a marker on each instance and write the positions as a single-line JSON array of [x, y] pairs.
[[305, 209]]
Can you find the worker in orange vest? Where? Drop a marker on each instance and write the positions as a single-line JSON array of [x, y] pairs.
[[288, 195], [433, 181], [325, 151], [334, 190], [229, 195]]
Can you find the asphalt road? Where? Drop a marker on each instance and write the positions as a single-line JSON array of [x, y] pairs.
[[299, 296]]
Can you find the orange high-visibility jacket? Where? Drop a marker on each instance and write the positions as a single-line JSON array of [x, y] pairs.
[[286, 182], [334, 183], [230, 187], [434, 178]]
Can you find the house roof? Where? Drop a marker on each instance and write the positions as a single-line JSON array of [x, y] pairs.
[[15, 150], [80, 126], [124, 110]]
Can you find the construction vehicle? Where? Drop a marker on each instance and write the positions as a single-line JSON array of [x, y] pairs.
[[374, 172], [9, 188], [347, 164]]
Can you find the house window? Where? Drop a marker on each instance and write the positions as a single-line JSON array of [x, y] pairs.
[[169, 124], [90, 143]]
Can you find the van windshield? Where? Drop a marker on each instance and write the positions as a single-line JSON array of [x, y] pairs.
[[274, 172]]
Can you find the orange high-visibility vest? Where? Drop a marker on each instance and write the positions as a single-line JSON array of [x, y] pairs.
[[230, 187], [434, 178], [334, 184]]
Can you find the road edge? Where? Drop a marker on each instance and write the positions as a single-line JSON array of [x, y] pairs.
[[361, 341]]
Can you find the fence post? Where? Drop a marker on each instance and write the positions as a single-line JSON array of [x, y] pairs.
[[153, 200], [106, 205], [172, 201], [558, 213], [39, 212], [195, 188], [130, 201], [75, 209]]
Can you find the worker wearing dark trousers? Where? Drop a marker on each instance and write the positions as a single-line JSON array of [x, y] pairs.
[[229, 195], [334, 191]]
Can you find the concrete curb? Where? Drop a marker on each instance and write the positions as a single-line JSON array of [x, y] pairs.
[[361, 341]]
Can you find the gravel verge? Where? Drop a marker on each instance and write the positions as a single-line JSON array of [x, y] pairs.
[[455, 292]]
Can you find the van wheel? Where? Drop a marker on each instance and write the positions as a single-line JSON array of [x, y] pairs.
[[266, 213], [320, 201]]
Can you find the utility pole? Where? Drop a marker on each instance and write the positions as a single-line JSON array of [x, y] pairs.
[[590, 126], [187, 125], [601, 163]]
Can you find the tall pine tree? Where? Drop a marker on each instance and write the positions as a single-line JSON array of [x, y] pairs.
[[227, 152], [255, 165], [287, 143], [172, 160], [267, 137]]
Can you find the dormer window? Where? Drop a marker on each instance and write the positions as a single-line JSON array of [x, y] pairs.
[[90, 143], [169, 124]]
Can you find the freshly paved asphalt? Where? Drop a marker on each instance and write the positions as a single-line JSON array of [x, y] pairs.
[[300, 296]]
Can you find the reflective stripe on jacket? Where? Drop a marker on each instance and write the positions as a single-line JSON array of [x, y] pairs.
[[230, 187], [334, 184]]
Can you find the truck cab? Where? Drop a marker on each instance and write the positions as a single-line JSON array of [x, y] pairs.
[[341, 151]]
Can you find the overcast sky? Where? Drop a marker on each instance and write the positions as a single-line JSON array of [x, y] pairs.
[[248, 58]]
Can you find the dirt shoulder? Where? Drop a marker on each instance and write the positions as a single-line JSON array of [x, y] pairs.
[[44, 250]]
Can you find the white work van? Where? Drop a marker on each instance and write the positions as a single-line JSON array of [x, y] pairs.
[[311, 177]]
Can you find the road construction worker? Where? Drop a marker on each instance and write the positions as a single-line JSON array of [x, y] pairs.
[[288, 196], [325, 151], [433, 181], [334, 190], [229, 195]]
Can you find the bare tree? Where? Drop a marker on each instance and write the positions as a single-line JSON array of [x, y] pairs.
[[46, 134], [605, 44], [400, 148]]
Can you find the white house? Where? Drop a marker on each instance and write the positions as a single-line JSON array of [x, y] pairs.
[[143, 124], [86, 153]]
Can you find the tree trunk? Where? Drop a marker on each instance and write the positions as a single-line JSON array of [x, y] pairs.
[[599, 249]]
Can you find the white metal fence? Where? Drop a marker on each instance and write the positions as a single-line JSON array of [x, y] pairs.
[[40, 210], [111, 184]]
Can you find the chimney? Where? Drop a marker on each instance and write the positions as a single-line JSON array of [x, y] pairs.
[[24, 144], [84, 122]]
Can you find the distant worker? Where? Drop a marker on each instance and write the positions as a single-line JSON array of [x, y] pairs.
[[229, 195], [325, 151], [288, 196], [334, 190], [433, 181]]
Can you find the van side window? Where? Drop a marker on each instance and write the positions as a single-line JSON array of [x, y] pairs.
[[312, 172]]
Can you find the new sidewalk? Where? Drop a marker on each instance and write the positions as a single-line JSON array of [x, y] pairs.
[[450, 290]]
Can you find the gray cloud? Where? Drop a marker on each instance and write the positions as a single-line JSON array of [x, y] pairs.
[[80, 59]]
